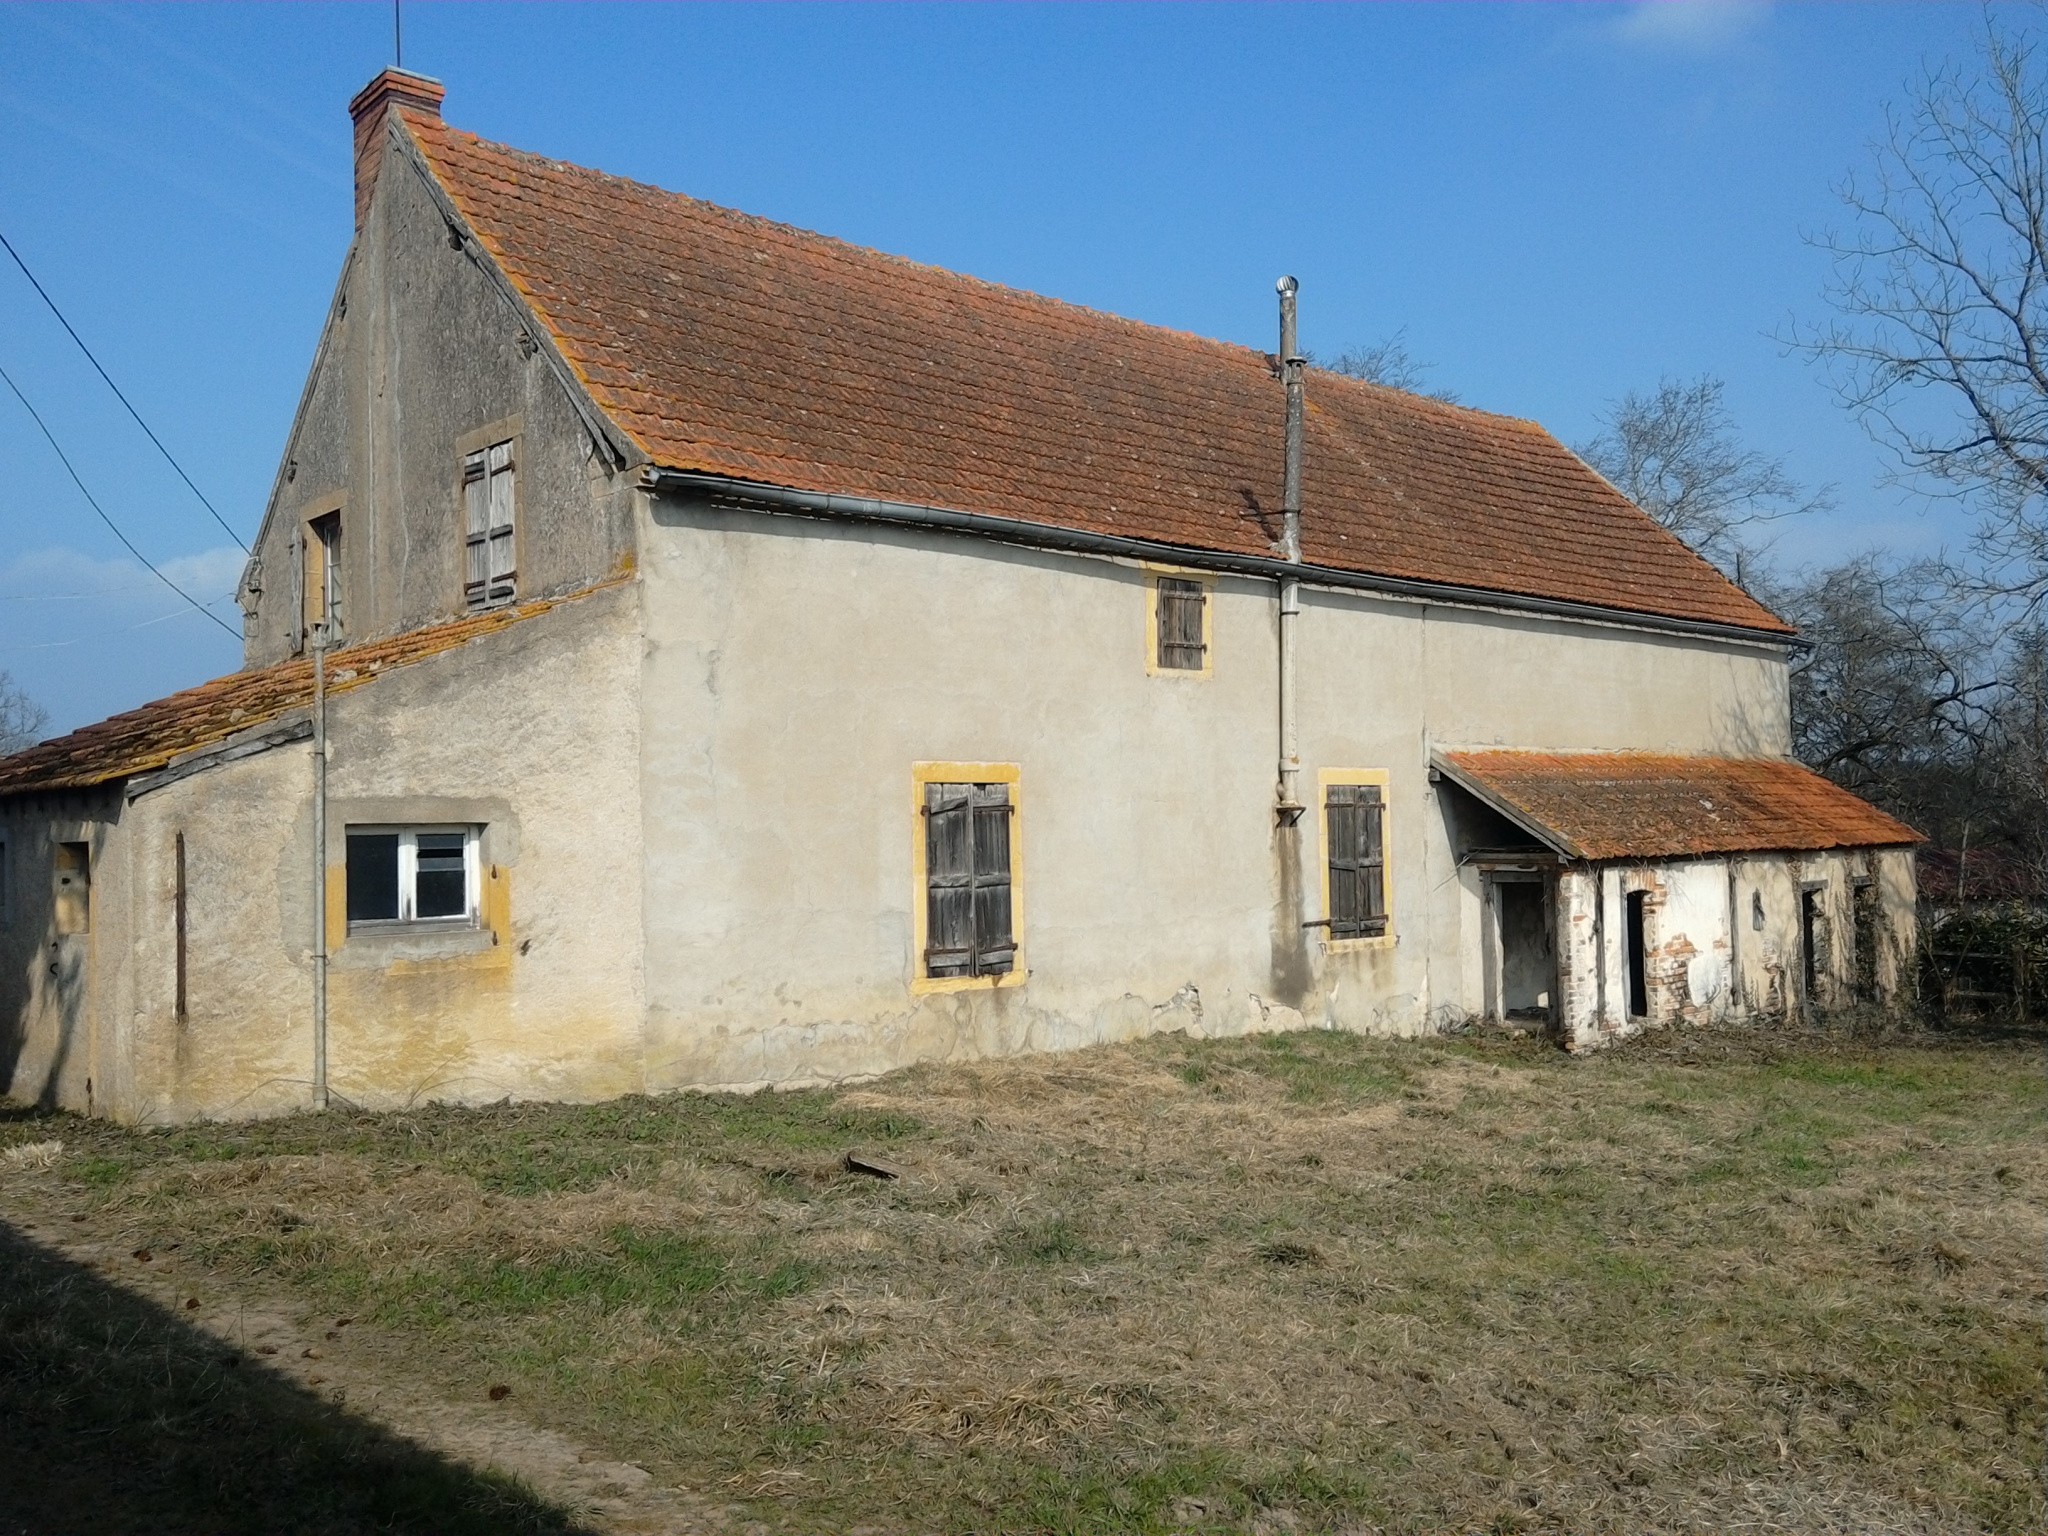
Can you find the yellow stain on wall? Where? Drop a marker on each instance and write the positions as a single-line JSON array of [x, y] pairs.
[[494, 917], [337, 906]]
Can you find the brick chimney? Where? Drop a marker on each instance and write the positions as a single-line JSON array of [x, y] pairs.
[[393, 88]]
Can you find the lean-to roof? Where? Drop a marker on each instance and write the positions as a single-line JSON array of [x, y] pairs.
[[143, 740], [1644, 805]]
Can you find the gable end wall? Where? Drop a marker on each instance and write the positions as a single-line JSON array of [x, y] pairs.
[[425, 351]]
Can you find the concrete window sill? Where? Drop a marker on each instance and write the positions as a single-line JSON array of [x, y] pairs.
[[372, 945]]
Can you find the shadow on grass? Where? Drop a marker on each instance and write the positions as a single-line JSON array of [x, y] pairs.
[[115, 1416]]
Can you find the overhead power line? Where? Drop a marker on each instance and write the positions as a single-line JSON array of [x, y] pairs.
[[160, 448], [127, 543]]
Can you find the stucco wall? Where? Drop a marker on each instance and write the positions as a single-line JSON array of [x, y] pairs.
[[797, 669], [423, 350], [54, 990], [533, 733], [1724, 938]]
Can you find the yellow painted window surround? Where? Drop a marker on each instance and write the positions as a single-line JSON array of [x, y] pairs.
[[1355, 827], [967, 869]]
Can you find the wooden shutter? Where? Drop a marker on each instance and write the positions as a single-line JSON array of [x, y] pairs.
[[968, 924], [504, 560], [995, 947], [949, 879], [1181, 608], [1340, 816], [1372, 859], [477, 531], [1355, 823], [298, 588]]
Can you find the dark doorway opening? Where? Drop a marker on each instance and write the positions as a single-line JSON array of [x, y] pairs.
[[1528, 952], [1866, 941], [1813, 937], [1638, 957]]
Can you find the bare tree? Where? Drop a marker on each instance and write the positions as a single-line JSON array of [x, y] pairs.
[[1674, 452], [1894, 698], [1941, 288], [22, 719], [1387, 362]]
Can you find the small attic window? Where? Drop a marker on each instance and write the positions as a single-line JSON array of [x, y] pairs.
[[490, 504], [71, 881]]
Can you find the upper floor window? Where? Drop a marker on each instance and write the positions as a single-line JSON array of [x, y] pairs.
[[489, 505], [323, 573], [1178, 625]]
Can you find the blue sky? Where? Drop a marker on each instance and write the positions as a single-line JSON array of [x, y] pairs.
[[1556, 204]]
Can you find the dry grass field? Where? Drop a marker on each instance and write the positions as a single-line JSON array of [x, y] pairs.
[[1287, 1284]]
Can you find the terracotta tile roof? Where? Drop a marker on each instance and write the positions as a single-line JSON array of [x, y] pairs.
[[143, 740], [735, 346], [1621, 805]]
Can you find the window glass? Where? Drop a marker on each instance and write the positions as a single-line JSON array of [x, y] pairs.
[[372, 877], [442, 879]]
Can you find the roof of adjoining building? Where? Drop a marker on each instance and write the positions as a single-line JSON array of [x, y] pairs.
[[1644, 805], [730, 345], [1953, 876], [152, 737]]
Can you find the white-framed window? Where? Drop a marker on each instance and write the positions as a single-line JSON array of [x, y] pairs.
[[491, 574], [413, 875]]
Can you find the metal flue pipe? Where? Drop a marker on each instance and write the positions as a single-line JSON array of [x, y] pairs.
[[1291, 366], [320, 1092]]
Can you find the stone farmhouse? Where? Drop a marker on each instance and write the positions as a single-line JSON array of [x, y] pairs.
[[686, 650]]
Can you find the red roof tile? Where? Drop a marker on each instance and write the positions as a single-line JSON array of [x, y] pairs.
[[143, 740], [1623, 805], [735, 346]]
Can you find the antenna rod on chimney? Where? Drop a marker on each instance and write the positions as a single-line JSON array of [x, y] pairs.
[[397, 35]]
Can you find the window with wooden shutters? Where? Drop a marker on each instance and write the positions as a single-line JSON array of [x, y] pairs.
[[489, 506], [1181, 620], [1355, 835], [969, 929], [321, 588]]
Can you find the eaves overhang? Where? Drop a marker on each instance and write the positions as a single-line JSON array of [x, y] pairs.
[[1479, 790]]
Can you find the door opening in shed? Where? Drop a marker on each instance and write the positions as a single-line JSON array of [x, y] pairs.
[[1865, 895], [1813, 935], [1528, 958], [1638, 957]]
